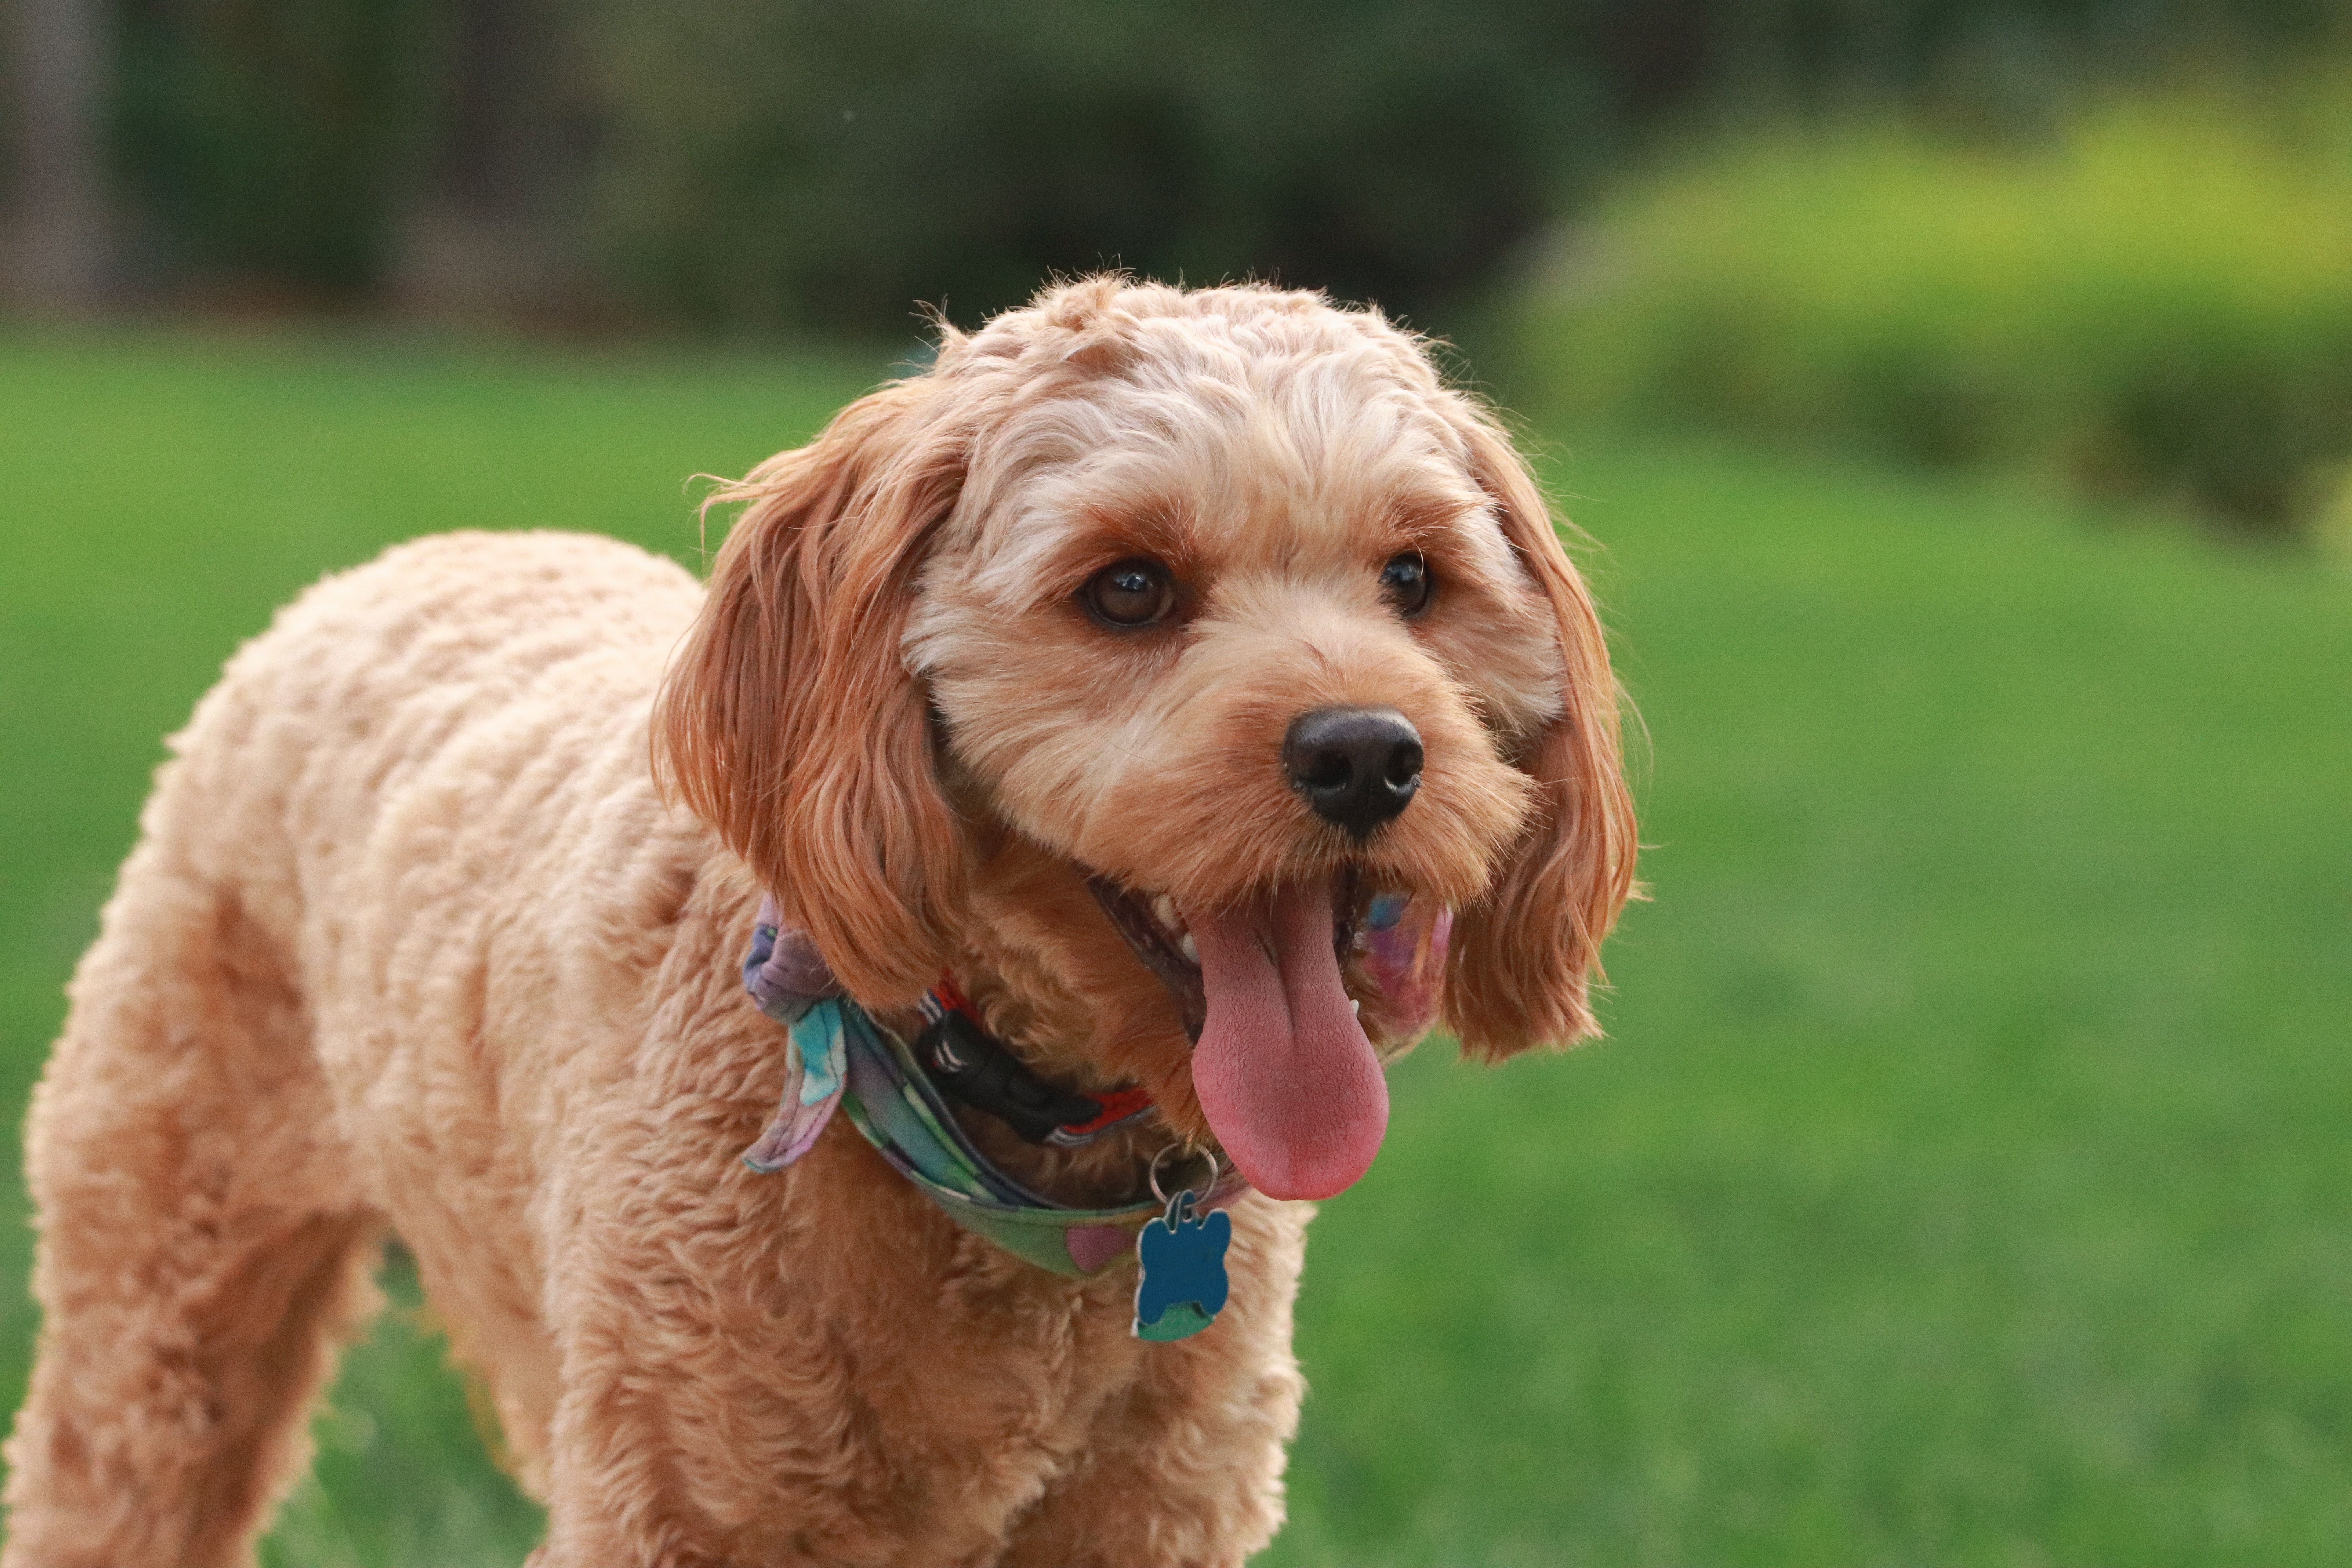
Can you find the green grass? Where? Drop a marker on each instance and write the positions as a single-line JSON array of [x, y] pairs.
[[1966, 1179]]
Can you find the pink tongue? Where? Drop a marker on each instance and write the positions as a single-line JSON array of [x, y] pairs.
[[1290, 1085]]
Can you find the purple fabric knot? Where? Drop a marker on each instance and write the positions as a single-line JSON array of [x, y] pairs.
[[784, 973]]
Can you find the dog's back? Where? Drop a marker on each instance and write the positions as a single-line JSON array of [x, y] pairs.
[[391, 901]]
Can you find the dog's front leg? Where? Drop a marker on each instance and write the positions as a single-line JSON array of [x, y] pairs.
[[1186, 1470]]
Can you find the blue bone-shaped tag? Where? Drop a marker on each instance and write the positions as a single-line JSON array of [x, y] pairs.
[[1182, 1287]]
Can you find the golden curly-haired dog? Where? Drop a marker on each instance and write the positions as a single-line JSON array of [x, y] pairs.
[[1117, 668]]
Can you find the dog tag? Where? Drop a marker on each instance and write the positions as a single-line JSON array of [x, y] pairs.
[[1182, 1285]]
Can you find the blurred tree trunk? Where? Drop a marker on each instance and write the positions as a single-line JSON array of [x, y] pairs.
[[61, 55]]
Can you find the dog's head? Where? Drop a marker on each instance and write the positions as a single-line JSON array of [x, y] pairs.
[[1191, 660]]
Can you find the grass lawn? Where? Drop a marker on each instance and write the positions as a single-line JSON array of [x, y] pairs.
[[1966, 1180]]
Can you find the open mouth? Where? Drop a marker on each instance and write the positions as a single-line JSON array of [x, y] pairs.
[[1286, 1075]]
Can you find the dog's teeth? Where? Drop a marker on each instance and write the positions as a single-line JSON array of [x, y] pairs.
[[1189, 948], [1163, 909], [1355, 1008]]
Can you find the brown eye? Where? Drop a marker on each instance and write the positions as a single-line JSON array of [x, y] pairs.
[[1407, 582], [1133, 592]]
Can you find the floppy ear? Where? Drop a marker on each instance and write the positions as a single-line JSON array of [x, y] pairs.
[[1521, 958], [788, 723]]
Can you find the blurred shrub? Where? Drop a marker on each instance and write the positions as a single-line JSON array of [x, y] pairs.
[[2159, 303]]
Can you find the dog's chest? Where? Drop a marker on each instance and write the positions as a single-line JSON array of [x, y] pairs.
[[943, 1416]]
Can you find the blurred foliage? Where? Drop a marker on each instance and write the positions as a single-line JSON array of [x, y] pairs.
[[268, 139], [772, 163], [2157, 303], [807, 162]]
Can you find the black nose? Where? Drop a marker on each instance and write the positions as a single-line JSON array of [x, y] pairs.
[[1357, 767]]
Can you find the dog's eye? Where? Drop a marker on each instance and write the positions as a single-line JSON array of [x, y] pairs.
[[1407, 582], [1130, 594]]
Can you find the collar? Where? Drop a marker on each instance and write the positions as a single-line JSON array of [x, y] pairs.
[[840, 1056]]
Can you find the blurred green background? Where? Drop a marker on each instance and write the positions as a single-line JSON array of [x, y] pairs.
[[1960, 399]]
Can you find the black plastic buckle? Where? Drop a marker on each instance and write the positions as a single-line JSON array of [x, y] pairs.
[[967, 1064]]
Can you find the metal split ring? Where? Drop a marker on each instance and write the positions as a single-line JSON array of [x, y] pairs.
[[1152, 1175]]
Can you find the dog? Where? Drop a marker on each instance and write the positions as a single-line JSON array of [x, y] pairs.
[[1169, 704]]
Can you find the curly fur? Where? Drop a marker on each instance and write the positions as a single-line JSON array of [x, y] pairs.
[[413, 941]]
